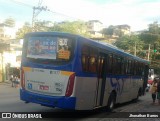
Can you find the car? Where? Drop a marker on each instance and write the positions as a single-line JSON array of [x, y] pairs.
[[150, 81]]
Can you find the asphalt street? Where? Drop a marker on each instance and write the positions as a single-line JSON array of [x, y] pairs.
[[10, 102]]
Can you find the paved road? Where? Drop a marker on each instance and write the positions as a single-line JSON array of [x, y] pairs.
[[10, 102]]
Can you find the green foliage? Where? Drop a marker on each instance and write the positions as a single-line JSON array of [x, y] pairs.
[[75, 27], [108, 31], [113, 30], [154, 28], [22, 31], [42, 25], [129, 42], [149, 38], [10, 22]]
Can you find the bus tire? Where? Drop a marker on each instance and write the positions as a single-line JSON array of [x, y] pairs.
[[111, 102], [136, 99]]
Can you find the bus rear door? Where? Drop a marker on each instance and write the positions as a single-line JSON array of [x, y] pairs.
[[101, 81]]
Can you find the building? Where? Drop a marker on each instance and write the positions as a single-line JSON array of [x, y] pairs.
[[10, 60], [94, 28], [122, 30], [7, 32]]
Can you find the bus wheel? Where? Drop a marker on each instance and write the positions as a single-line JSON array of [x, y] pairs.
[[136, 99], [111, 101]]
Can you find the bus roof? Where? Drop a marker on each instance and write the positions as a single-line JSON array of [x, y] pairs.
[[98, 44], [115, 50]]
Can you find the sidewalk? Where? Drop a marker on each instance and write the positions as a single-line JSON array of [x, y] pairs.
[[6, 82]]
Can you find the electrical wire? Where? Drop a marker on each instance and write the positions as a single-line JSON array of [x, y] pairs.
[[63, 14], [39, 4], [22, 4]]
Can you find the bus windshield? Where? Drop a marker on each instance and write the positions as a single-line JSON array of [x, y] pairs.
[[49, 48]]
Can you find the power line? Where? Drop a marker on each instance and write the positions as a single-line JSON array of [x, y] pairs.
[[40, 2], [20, 3], [63, 15]]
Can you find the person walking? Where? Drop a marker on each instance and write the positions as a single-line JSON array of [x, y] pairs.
[[12, 79], [153, 90], [158, 91]]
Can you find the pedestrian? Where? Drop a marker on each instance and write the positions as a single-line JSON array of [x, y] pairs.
[[153, 90], [158, 91], [11, 79], [16, 81]]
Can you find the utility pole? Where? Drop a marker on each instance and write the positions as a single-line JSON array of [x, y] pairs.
[[36, 11], [149, 48], [135, 49]]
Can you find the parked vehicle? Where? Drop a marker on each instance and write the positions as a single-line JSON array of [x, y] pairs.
[[150, 80]]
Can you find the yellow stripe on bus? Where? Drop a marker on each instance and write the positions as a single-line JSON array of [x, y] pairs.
[[27, 69], [66, 73]]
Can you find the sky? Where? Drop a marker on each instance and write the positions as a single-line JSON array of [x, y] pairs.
[[135, 13]]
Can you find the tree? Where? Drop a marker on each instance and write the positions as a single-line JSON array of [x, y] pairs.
[[108, 31], [43, 25], [22, 31], [75, 27], [152, 35], [154, 28], [149, 38], [10, 22], [128, 43]]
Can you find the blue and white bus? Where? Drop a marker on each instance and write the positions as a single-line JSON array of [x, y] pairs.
[[72, 72]]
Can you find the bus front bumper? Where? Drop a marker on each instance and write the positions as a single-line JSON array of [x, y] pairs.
[[50, 101]]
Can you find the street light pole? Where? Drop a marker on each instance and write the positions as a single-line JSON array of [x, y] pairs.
[[148, 51], [35, 14]]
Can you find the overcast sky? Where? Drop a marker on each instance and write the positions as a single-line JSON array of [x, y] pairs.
[[136, 13]]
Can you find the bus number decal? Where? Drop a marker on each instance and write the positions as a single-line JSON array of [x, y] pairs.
[[29, 86], [59, 90], [58, 87]]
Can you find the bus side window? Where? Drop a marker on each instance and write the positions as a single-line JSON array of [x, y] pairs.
[[85, 58], [100, 66], [132, 67], [135, 67], [85, 62], [89, 59], [128, 67], [119, 65], [123, 66], [140, 69], [114, 63], [109, 64], [92, 64]]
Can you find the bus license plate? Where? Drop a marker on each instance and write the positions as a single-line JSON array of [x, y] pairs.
[[44, 87]]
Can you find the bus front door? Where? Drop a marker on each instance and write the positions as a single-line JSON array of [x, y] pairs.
[[101, 81]]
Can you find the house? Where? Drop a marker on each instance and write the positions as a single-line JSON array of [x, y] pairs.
[[7, 32], [122, 30], [10, 59], [94, 28]]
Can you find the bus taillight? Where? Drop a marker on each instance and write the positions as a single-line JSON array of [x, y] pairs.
[[70, 85], [22, 79]]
